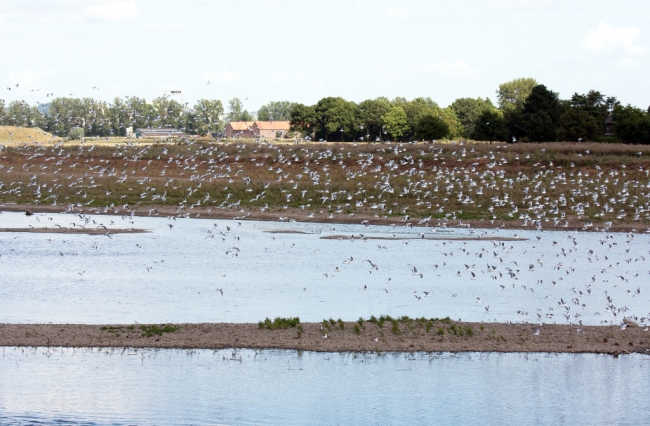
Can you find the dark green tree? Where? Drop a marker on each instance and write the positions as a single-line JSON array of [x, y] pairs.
[[541, 115], [490, 126], [576, 123], [303, 120], [205, 117], [430, 127], [632, 124], [369, 114], [468, 110], [396, 122], [336, 115]]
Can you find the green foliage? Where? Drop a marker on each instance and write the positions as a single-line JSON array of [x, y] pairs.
[[540, 127], [430, 127], [490, 126], [204, 117], [357, 329], [395, 122], [468, 110], [303, 119], [513, 94], [20, 114], [369, 116], [541, 115], [76, 133], [279, 323], [168, 113], [335, 115], [276, 111], [632, 124], [236, 111], [155, 330], [576, 123]]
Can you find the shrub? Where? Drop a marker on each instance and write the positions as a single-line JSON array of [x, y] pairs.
[[279, 323], [76, 133]]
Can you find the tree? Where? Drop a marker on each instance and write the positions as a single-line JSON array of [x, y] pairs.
[[237, 111], [119, 117], [414, 109], [369, 114], [632, 124], [141, 113], [512, 95], [303, 120], [396, 122], [336, 115], [490, 126], [275, 111], [468, 111], [431, 127], [576, 123], [76, 133], [206, 117], [541, 115], [3, 112], [21, 114], [167, 113], [64, 114]]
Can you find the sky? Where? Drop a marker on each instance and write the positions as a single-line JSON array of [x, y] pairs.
[[304, 50]]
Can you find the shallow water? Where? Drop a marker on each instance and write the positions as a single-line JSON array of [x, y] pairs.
[[176, 387], [172, 273]]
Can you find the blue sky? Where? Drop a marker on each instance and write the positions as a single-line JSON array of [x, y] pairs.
[[303, 50]]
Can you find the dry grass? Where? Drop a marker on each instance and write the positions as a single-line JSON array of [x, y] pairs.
[[13, 136]]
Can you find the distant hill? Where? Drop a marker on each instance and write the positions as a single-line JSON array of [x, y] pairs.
[[10, 135]]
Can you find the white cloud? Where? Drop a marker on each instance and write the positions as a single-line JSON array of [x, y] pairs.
[[627, 63], [113, 11], [520, 4], [222, 77], [166, 26], [28, 78], [395, 13], [607, 39], [456, 69]]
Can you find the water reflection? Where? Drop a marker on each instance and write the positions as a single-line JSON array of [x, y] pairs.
[[286, 387]]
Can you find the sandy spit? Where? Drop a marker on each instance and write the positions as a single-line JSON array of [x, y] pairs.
[[406, 337]]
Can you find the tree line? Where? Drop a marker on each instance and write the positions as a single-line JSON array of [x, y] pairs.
[[90, 117], [525, 111]]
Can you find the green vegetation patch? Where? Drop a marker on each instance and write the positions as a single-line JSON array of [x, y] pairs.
[[157, 330], [279, 323]]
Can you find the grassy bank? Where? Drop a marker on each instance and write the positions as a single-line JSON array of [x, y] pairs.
[[548, 185]]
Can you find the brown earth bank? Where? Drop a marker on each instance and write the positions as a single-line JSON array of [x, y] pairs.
[[78, 230], [336, 336], [299, 215]]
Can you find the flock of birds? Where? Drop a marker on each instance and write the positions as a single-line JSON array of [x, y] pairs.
[[406, 183], [575, 277]]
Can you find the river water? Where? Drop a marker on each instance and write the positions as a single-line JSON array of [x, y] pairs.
[[177, 387], [174, 273]]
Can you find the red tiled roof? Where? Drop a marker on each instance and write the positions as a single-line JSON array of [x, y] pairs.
[[272, 125]]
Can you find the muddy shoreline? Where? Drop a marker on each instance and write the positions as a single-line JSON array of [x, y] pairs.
[[402, 336], [79, 230], [298, 215]]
